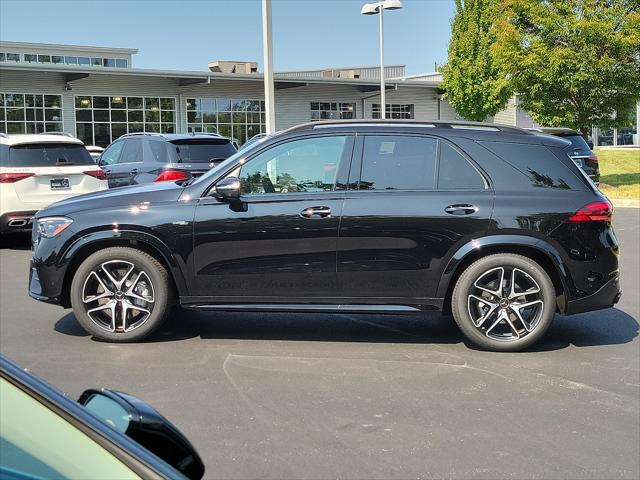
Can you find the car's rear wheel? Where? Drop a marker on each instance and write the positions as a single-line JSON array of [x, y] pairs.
[[120, 294], [504, 302]]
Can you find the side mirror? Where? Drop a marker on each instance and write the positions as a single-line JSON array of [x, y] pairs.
[[139, 421], [99, 161], [227, 189]]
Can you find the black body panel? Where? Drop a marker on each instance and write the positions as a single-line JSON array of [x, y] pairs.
[[395, 250]]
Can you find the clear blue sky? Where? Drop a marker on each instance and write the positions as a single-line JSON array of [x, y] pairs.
[[185, 35]]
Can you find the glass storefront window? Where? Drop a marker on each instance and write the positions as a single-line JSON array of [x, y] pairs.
[[394, 110], [102, 119], [30, 113], [238, 119], [332, 111]]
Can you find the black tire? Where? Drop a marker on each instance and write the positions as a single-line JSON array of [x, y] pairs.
[[464, 303], [144, 264]]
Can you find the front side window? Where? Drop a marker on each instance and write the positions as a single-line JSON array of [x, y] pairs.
[[398, 163], [111, 154], [307, 165], [455, 172]]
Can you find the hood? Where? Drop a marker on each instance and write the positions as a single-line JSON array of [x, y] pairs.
[[114, 198]]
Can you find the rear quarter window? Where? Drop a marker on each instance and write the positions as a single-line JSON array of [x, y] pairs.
[[543, 168], [577, 142], [46, 155]]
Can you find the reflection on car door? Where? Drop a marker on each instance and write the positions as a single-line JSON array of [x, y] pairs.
[[412, 200], [279, 241]]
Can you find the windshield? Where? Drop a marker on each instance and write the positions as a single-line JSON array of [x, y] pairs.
[[47, 155], [203, 150]]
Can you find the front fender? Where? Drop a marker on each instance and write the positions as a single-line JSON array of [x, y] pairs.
[[490, 241], [112, 237]]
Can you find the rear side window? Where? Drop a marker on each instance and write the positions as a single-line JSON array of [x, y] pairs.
[[47, 155], [398, 163], [542, 167], [455, 172], [131, 151], [157, 151], [203, 150]]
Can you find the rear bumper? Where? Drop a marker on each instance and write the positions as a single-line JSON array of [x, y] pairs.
[[607, 296], [16, 221]]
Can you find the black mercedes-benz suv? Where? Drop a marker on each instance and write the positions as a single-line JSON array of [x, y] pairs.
[[493, 224]]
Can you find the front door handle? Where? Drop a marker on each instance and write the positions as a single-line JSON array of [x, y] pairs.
[[461, 209], [107, 171], [316, 212]]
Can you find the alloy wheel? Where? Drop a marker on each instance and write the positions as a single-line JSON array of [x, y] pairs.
[[118, 297], [505, 303]]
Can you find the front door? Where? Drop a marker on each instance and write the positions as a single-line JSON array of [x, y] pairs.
[[414, 200], [277, 244]]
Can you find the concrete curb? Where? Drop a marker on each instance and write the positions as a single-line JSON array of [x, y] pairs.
[[625, 202]]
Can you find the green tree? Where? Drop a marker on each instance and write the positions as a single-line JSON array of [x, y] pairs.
[[474, 85], [573, 63]]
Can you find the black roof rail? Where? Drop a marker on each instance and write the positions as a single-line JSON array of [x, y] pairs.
[[413, 123], [4, 135]]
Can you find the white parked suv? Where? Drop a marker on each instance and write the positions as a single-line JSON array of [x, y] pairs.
[[38, 170]]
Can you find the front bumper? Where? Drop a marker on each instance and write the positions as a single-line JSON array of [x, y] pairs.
[[35, 288], [607, 296]]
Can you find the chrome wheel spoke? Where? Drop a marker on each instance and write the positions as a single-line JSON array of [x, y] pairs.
[[111, 307], [501, 316], [492, 308], [127, 307], [117, 283], [131, 290], [535, 288], [517, 310], [494, 292], [106, 292]]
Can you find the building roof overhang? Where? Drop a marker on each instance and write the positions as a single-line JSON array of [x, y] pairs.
[[189, 77]]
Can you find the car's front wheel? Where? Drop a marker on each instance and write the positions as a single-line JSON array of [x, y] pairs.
[[120, 294], [504, 302]]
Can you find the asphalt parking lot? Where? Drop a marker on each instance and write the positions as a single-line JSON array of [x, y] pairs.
[[344, 396]]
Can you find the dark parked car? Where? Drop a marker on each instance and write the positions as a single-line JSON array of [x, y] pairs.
[[137, 158], [579, 150], [105, 434], [495, 224]]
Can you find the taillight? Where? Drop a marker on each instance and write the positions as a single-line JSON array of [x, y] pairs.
[[171, 175], [594, 212], [593, 157], [13, 177], [99, 174]]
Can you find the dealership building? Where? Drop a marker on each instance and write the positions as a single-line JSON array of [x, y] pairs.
[[96, 94]]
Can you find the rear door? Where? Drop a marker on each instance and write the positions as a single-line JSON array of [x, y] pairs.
[[58, 171], [413, 200], [130, 164]]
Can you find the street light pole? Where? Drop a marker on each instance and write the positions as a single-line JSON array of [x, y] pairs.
[[378, 8], [267, 46], [383, 104]]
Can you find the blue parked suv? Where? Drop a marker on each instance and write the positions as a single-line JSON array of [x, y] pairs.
[[137, 158]]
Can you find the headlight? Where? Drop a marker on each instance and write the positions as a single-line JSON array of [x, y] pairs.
[[50, 227]]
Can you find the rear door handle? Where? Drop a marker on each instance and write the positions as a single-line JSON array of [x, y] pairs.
[[316, 212], [133, 171], [461, 209]]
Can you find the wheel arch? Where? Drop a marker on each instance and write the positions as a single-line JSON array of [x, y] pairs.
[[145, 242], [538, 250]]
